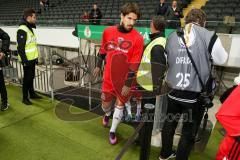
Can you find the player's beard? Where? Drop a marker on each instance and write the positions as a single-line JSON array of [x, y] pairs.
[[127, 27]]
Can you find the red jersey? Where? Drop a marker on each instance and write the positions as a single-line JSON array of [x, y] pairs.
[[123, 53]]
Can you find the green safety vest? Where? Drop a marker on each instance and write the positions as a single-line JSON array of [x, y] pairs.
[[31, 49], [144, 74]]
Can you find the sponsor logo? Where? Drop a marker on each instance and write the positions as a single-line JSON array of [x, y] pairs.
[[87, 32]]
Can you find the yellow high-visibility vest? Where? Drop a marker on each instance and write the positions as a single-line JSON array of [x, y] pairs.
[[144, 74], [31, 49]]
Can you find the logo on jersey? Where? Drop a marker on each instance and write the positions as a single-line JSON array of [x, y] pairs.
[[120, 39], [123, 45]]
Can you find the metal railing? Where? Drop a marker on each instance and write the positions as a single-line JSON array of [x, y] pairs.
[[14, 72]]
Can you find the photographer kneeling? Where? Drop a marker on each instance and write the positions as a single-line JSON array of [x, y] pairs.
[[190, 53], [3, 55]]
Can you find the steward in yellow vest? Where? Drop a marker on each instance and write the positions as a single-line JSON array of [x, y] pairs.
[[149, 77], [31, 50], [153, 64], [28, 53]]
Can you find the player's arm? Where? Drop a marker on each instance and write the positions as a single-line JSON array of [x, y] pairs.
[[101, 56], [128, 83], [100, 59], [134, 62]]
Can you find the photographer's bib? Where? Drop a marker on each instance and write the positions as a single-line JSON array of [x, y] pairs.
[[181, 74]]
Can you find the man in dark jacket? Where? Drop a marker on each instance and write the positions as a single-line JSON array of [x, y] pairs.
[[173, 15], [28, 53], [151, 71], [161, 8], [44, 4], [153, 61], [95, 15], [4, 50]]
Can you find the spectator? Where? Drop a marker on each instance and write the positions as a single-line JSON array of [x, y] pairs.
[[161, 8], [95, 15], [44, 4], [173, 15], [85, 17]]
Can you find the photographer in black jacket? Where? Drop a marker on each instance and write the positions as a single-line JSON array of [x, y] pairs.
[[4, 50]]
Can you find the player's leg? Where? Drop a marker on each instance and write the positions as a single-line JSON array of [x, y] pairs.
[[139, 107], [117, 117], [138, 96], [128, 106], [107, 98]]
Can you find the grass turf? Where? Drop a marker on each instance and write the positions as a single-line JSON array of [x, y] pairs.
[[36, 132]]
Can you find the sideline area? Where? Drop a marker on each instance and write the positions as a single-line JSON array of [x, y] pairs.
[[35, 132]]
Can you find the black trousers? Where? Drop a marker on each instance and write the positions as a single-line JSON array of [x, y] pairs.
[[146, 132], [192, 116], [3, 89], [28, 77]]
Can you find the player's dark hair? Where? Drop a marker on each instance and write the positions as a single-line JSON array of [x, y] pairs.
[[131, 8]]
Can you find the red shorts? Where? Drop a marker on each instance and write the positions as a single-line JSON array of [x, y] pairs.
[[110, 91], [108, 96]]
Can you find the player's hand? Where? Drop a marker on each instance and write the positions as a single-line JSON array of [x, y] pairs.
[[176, 13], [125, 90], [96, 72], [1, 55]]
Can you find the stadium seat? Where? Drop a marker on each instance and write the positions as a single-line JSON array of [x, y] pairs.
[[73, 9]]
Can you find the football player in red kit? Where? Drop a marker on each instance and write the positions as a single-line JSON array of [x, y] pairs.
[[121, 48]]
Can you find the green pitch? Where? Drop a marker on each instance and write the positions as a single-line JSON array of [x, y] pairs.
[[36, 133]]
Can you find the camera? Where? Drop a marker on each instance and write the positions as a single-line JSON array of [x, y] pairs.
[[206, 96], [205, 99]]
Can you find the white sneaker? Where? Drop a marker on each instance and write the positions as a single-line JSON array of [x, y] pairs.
[[173, 155], [5, 106]]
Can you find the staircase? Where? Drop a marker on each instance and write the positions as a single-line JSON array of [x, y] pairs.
[[193, 4]]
